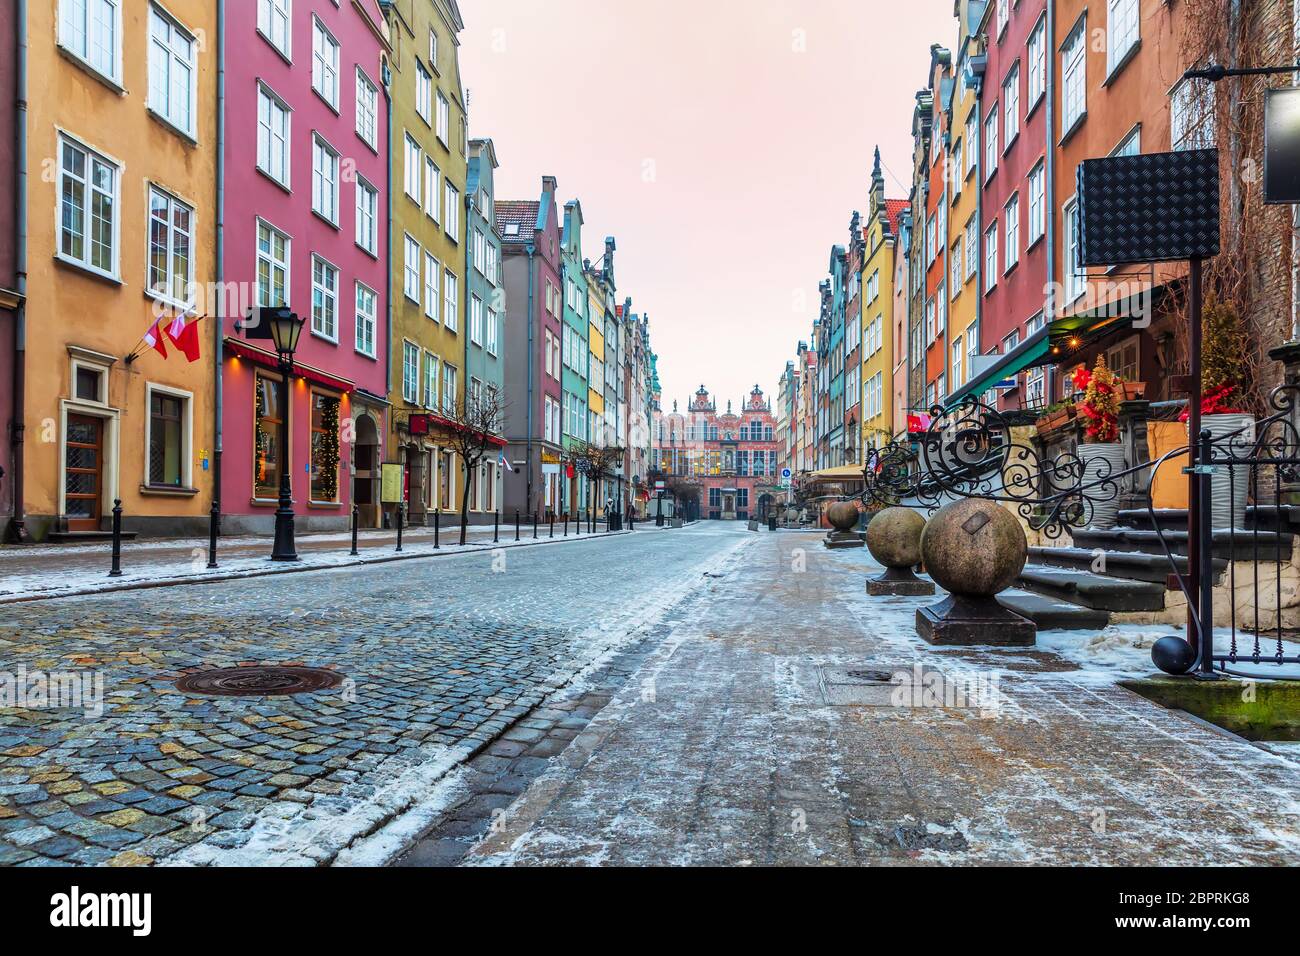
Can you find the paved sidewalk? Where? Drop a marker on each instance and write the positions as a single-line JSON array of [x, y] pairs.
[[744, 738]]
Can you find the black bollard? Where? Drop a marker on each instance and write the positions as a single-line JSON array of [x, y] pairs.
[[566, 524], [356, 518], [496, 526], [516, 524], [116, 571], [437, 516], [551, 517], [534, 525], [401, 514], [214, 522]]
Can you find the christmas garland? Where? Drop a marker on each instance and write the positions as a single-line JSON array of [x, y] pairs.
[[325, 451]]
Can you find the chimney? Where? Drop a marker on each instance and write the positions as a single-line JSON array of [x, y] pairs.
[[548, 184]]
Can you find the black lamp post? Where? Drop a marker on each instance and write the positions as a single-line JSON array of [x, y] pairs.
[[285, 329]]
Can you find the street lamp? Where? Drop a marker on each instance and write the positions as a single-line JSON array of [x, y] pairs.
[[285, 329]]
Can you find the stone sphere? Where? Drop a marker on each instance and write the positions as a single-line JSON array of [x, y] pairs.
[[974, 547], [842, 515], [894, 537]]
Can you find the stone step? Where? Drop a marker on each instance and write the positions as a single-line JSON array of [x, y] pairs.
[[1273, 517], [1174, 519], [1240, 546], [85, 537], [1133, 565], [1093, 590], [1052, 615]]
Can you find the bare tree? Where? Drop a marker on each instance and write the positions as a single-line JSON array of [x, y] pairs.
[[596, 461], [475, 434]]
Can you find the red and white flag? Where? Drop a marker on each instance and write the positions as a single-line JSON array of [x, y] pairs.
[[185, 337], [154, 338]]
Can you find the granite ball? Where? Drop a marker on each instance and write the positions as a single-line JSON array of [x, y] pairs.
[[974, 547], [842, 515], [894, 537]]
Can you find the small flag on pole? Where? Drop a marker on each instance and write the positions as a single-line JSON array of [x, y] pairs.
[[154, 338], [185, 337]]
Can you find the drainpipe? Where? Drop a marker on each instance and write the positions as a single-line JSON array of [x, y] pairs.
[[1049, 186], [220, 264], [18, 524], [388, 238], [531, 249]]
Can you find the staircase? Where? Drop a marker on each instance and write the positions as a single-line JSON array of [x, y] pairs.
[[1125, 569]]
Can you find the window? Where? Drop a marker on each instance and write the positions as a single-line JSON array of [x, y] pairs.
[[480, 251], [423, 93], [431, 191], [444, 119], [367, 110], [433, 48], [324, 447], [432, 277], [547, 433], [367, 217], [972, 348], [1011, 217], [410, 374], [411, 270], [367, 302], [991, 256], [324, 64], [957, 353], [991, 142], [1037, 60], [1037, 224], [972, 247], [324, 299], [1073, 78], [268, 455], [491, 339], [1123, 359], [450, 300], [1075, 279], [168, 456], [272, 265], [972, 141], [476, 320], [1131, 145], [1191, 115], [412, 170], [451, 203], [449, 389], [324, 180], [272, 136], [1003, 15], [430, 381], [88, 208], [1011, 106], [1121, 31], [90, 30], [170, 239], [929, 320], [929, 240], [273, 23], [172, 52], [955, 261]]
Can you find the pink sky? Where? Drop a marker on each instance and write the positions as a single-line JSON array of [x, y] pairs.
[[724, 145]]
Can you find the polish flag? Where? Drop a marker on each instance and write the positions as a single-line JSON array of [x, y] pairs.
[[185, 337], [154, 338]]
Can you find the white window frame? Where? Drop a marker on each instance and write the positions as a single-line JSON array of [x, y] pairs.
[[168, 54], [325, 52], [412, 255], [324, 300], [325, 203], [367, 231], [1187, 131], [432, 286], [475, 319], [275, 17], [281, 265], [991, 142], [90, 158], [423, 93], [1074, 77], [187, 433], [432, 192], [1123, 32], [451, 205], [972, 240], [1011, 107], [492, 336], [432, 364], [443, 128], [412, 167], [1036, 61], [1011, 233], [77, 35], [410, 373], [366, 320], [1074, 283], [450, 300], [186, 300], [367, 125], [268, 136], [1037, 202], [991, 256]]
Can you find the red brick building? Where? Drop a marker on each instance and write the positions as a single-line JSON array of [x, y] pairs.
[[729, 457]]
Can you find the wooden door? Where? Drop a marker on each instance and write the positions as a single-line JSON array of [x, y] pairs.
[[83, 480]]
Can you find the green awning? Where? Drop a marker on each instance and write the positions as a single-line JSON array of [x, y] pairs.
[[1028, 353]]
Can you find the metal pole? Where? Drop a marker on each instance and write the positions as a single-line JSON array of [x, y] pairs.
[[401, 514], [1193, 437], [516, 524], [283, 549], [566, 524], [1205, 547], [552, 522], [437, 516], [496, 526], [214, 519], [116, 570], [534, 525], [356, 516]]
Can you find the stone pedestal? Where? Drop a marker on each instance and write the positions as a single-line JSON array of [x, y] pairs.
[[958, 619], [894, 539], [899, 581], [843, 515]]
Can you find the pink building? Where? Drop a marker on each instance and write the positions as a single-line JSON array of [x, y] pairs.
[[306, 226]]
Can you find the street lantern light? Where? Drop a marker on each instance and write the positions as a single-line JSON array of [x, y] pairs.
[[286, 327]]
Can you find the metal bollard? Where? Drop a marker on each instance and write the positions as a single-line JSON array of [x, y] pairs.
[[516, 524], [534, 525], [552, 521], [437, 520], [356, 519], [566, 524], [496, 526], [214, 522], [401, 514], [116, 571]]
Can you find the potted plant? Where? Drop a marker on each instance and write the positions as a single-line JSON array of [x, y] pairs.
[[1055, 415], [1101, 452], [1223, 372]]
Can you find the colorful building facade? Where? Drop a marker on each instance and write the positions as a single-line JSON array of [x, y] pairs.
[[879, 335]]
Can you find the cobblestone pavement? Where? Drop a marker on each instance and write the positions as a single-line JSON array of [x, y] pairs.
[[751, 735], [441, 656]]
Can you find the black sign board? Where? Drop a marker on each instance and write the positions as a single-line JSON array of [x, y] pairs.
[[258, 323], [1155, 207], [1282, 145]]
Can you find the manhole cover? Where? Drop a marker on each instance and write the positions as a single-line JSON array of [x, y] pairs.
[[259, 681], [871, 676]]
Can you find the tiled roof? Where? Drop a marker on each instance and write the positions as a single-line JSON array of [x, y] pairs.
[[516, 219], [893, 209]]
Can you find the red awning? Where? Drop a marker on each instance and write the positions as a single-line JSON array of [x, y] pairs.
[[449, 425], [268, 360]]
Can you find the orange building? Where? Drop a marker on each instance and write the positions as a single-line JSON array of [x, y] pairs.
[[121, 232]]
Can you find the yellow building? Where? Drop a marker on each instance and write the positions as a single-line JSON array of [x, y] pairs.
[[596, 361], [429, 144], [878, 337], [121, 189], [962, 191]]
